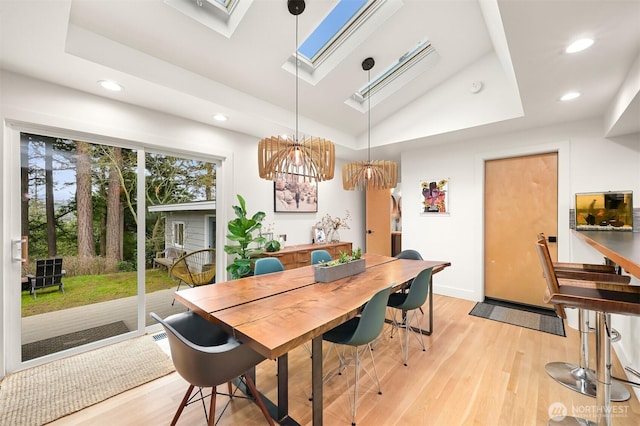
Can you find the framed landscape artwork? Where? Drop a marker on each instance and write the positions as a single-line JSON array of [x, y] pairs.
[[295, 195]]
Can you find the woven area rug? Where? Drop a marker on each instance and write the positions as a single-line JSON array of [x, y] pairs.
[[522, 316], [71, 340], [42, 394]]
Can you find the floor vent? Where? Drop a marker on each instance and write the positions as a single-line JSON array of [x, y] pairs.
[[159, 336]]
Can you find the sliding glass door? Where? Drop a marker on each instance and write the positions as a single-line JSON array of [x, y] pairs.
[[86, 235], [180, 222], [78, 221]]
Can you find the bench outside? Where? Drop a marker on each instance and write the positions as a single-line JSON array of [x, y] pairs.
[[167, 257]]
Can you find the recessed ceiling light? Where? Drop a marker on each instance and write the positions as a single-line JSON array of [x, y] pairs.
[[579, 45], [110, 85], [220, 117], [570, 96]]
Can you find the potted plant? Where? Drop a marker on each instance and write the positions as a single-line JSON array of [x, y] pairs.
[[241, 231], [272, 246], [344, 266]]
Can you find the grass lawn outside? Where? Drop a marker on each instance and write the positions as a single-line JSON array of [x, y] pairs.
[[90, 289]]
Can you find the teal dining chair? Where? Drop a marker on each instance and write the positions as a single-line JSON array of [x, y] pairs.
[[358, 333], [409, 254], [267, 265], [409, 304], [319, 256]]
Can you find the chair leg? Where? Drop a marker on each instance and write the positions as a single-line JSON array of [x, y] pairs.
[[307, 348], [581, 378], [406, 324], [178, 288], [354, 406], [230, 387], [603, 372], [254, 392], [345, 360], [212, 407], [419, 337], [356, 384], [603, 367], [182, 405], [375, 370]]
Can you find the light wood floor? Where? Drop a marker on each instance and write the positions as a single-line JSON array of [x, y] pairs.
[[474, 372]]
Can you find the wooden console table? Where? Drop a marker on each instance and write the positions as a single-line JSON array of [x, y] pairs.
[[300, 255]]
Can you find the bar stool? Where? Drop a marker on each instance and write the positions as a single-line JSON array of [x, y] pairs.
[[604, 299], [579, 377]]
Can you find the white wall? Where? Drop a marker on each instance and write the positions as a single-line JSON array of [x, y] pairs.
[[587, 162], [32, 105]]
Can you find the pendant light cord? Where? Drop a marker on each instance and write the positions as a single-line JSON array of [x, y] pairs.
[[296, 140], [369, 117]]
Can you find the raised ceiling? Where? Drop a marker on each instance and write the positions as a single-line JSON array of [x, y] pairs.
[[169, 62]]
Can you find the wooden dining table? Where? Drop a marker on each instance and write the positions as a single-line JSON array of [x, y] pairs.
[[275, 313]]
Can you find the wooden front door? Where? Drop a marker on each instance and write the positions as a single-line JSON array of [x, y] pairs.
[[520, 201], [379, 222]]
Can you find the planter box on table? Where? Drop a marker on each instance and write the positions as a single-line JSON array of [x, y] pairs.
[[326, 274]]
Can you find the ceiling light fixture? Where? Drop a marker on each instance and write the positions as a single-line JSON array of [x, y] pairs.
[[570, 96], [110, 85], [579, 45], [281, 157], [369, 175], [220, 117]]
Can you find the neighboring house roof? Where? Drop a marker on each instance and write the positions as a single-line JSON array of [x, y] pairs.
[[181, 207]]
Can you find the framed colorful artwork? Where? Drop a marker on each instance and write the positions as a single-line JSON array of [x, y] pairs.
[[434, 196]]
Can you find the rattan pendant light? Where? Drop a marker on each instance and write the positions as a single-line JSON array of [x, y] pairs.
[[369, 175], [280, 157]]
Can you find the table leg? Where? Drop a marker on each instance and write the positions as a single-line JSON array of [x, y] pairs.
[[283, 386], [316, 379], [278, 412]]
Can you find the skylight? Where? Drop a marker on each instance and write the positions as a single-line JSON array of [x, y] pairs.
[[330, 28], [222, 16], [224, 3], [339, 34], [394, 71], [411, 64]]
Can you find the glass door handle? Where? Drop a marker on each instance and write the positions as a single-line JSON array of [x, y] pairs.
[[18, 248]]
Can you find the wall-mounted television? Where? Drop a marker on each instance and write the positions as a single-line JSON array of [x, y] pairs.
[[604, 211]]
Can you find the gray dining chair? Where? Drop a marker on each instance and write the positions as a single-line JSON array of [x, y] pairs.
[[319, 256], [206, 356], [358, 333], [267, 265], [408, 304]]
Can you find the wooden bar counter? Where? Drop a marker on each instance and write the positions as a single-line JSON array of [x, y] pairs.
[[623, 248]]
